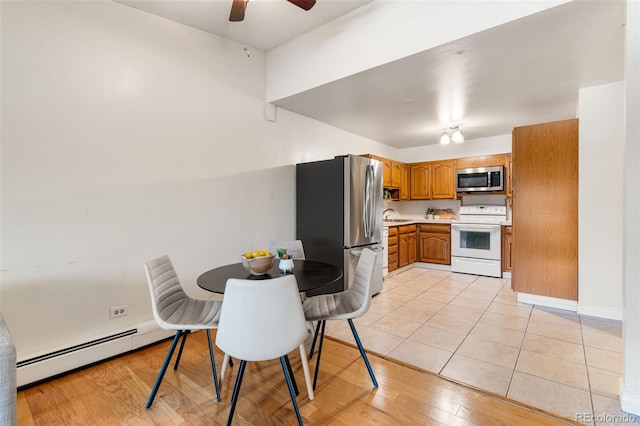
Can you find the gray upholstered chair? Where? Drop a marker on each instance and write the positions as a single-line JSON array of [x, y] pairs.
[[263, 320], [8, 389], [174, 310], [349, 304]]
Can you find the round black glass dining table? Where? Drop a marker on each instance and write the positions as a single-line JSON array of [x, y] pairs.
[[309, 274]]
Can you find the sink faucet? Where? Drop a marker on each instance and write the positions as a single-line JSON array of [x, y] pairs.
[[384, 213]]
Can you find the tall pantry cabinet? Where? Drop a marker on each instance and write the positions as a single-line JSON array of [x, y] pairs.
[[545, 209]]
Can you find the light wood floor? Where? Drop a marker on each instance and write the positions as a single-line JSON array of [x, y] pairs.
[[114, 393]]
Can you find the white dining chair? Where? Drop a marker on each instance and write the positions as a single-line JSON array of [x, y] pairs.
[[174, 310], [349, 304], [263, 320]]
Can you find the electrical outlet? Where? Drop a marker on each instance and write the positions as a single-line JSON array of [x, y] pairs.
[[118, 311]]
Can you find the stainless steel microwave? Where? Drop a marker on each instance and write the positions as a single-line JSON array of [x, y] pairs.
[[480, 179]]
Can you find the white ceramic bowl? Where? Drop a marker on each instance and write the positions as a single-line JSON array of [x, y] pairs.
[[258, 265]]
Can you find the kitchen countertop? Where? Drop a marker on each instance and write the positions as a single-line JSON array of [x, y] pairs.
[[401, 222]]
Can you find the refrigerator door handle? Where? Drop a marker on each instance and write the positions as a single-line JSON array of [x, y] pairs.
[[368, 213], [365, 200], [358, 251]]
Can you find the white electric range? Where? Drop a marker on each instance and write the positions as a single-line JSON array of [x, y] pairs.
[[476, 240]]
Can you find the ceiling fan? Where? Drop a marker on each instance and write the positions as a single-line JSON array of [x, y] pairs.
[[238, 7]]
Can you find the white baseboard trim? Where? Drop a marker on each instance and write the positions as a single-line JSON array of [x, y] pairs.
[[550, 302], [506, 274], [629, 401], [62, 360], [598, 312]]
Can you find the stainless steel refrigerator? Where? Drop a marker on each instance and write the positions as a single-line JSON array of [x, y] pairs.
[[339, 213]]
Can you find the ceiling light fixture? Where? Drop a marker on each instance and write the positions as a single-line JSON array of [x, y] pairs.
[[453, 134], [457, 136]]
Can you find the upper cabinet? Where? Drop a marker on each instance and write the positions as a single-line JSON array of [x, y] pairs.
[[420, 181], [405, 181], [482, 161], [433, 180], [443, 182], [396, 172]]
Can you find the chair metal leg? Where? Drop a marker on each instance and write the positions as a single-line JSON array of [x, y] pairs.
[[293, 379], [213, 366], [305, 369], [315, 374], [315, 336], [223, 369], [184, 340], [362, 352], [293, 397], [236, 391], [227, 361], [163, 369]]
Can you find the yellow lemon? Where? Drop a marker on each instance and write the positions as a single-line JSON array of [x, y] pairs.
[[256, 253], [248, 255], [266, 253]]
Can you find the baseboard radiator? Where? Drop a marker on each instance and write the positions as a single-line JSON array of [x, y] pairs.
[[62, 360]]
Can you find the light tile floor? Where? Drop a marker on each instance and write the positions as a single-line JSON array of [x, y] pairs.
[[473, 330]]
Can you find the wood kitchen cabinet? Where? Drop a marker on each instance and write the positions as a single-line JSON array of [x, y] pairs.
[[433, 180], [407, 245], [508, 184], [435, 243], [393, 248], [482, 161], [396, 173], [420, 174], [545, 209], [507, 248], [443, 180], [405, 180]]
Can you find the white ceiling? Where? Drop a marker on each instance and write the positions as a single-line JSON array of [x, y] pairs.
[[267, 23], [524, 72]]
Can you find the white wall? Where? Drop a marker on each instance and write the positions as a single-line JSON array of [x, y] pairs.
[[371, 35], [630, 383], [124, 137], [601, 183]]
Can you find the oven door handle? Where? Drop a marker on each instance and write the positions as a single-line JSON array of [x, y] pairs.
[[475, 226]]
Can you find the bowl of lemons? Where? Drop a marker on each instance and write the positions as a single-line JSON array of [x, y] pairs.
[[258, 262]]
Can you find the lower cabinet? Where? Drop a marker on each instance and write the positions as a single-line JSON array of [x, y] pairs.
[[435, 243], [428, 243], [393, 248], [407, 245], [507, 244]]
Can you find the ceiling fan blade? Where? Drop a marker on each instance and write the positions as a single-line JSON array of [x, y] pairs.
[[305, 4], [237, 10]]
